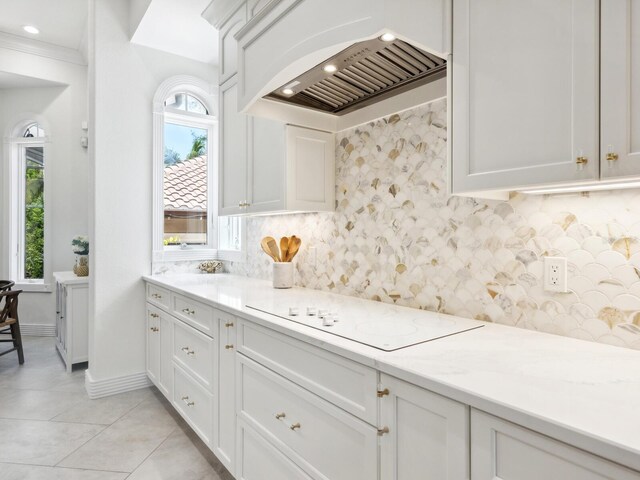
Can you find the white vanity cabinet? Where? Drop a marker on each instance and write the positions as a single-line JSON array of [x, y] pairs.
[[159, 345], [501, 450], [428, 434], [620, 89], [524, 93], [72, 316]]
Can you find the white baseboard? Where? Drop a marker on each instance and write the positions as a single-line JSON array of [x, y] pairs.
[[37, 330], [113, 386]]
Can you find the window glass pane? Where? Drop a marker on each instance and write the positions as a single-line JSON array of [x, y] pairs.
[[34, 213], [34, 130], [195, 105], [185, 185], [229, 233]]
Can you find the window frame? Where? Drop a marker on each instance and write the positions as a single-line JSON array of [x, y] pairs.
[[15, 172], [206, 94]]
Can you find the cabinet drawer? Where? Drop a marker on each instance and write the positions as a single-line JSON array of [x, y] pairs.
[[347, 384], [194, 352], [317, 435], [501, 450], [194, 313], [158, 296], [193, 402], [258, 456]]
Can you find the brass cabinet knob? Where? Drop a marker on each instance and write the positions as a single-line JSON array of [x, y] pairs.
[[383, 393], [154, 315], [156, 295], [295, 426], [612, 156], [154, 329], [382, 431], [280, 415], [228, 324], [188, 311], [188, 351], [228, 347], [581, 160], [185, 399]]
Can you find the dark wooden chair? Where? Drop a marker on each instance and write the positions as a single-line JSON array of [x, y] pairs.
[[6, 285], [9, 324]]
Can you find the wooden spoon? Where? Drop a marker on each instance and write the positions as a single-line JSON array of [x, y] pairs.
[[294, 246], [284, 248], [270, 247]]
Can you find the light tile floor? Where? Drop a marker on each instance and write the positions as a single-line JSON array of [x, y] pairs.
[[50, 430]]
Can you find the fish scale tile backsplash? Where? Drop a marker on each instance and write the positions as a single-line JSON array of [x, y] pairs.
[[397, 237]]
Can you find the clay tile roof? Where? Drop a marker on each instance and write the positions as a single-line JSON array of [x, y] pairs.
[[185, 185]]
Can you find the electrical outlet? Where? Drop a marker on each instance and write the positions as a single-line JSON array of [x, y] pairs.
[[555, 274]]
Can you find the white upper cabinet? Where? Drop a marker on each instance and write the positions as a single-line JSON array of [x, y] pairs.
[[228, 46], [620, 89], [524, 93]]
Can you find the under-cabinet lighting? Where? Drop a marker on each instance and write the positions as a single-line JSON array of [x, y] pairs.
[[387, 37], [582, 188], [31, 29]]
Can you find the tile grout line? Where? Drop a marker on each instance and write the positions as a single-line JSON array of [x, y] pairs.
[[4, 462], [153, 451]]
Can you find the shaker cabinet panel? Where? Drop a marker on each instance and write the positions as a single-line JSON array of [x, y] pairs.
[[233, 152], [525, 93], [228, 45], [620, 89], [428, 435]]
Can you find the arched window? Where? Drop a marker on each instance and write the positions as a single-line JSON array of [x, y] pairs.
[[186, 225], [26, 152]]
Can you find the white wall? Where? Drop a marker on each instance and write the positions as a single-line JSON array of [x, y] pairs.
[[64, 108], [122, 81]]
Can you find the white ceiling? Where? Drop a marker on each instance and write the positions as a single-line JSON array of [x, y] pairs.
[[12, 80], [177, 26], [61, 22]]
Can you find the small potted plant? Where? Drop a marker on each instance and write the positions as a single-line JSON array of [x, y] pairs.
[[80, 245]]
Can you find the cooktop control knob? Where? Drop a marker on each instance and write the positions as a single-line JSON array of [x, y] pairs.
[[336, 317], [311, 311], [327, 321], [323, 312], [294, 311]]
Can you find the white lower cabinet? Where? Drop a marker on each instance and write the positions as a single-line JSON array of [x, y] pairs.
[[193, 402], [159, 345], [72, 313], [501, 450], [428, 437], [321, 438]]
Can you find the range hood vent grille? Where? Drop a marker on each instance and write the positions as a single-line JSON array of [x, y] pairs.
[[365, 72]]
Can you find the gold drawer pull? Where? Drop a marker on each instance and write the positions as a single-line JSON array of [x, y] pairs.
[[228, 347], [154, 329], [295, 426], [228, 324], [383, 393], [280, 415], [154, 315], [156, 295], [382, 431], [185, 399], [188, 311], [188, 351], [612, 156], [581, 160]]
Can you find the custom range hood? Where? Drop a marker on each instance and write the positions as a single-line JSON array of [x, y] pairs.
[[360, 75]]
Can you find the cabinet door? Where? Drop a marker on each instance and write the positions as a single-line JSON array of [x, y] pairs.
[[153, 345], [228, 45], [266, 165], [225, 418], [620, 88], [503, 451], [165, 383], [428, 436], [233, 152], [525, 93], [310, 170]]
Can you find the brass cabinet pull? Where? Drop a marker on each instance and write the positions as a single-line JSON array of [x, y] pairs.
[[188, 311], [228, 324], [612, 156], [154, 329], [280, 415], [154, 315], [382, 431], [382, 393], [295, 426], [188, 351], [185, 399], [228, 347], [156, 295], [581, 160]]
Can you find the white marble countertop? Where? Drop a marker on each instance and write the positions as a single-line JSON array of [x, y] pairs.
[[583, 393], [70, 278]]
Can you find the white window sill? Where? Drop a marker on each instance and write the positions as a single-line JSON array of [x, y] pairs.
[[33, 287]]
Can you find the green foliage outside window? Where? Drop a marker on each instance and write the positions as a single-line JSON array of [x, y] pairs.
[[34, 222]]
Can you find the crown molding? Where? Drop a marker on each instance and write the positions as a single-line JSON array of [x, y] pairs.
[[42, 49], [219, 11]]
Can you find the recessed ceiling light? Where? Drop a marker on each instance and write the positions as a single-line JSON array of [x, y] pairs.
[[387, 37], [330, 68], [31, 29], [287, 91]]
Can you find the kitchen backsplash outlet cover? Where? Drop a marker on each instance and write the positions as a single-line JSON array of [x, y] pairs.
[[397, 237]]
